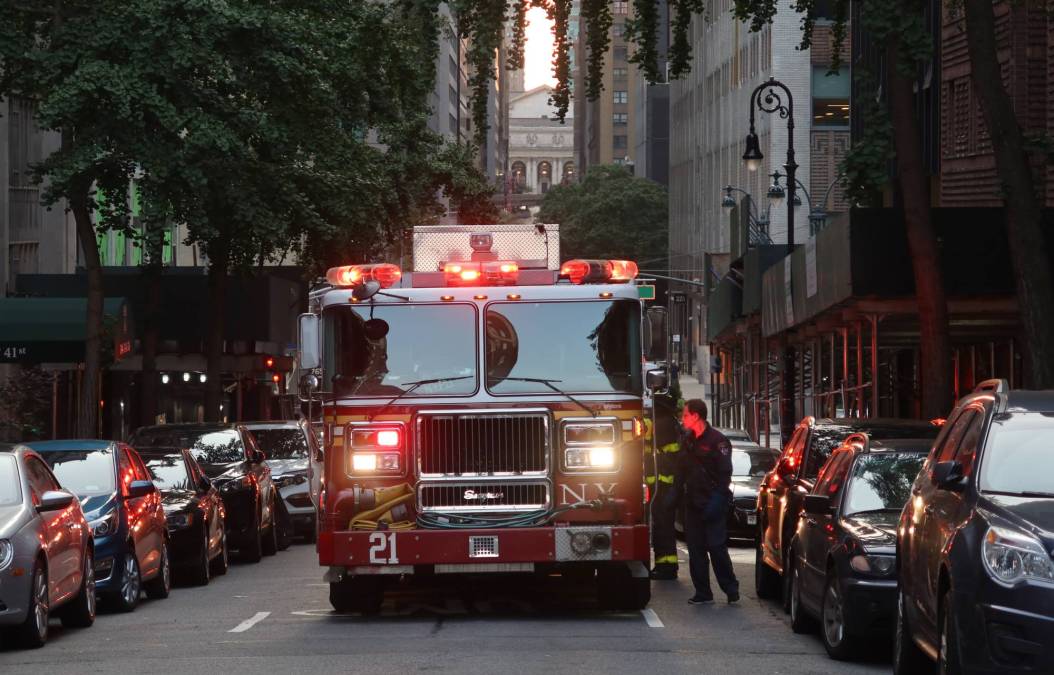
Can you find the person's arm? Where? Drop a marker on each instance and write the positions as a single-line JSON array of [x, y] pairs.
[[724, 463]]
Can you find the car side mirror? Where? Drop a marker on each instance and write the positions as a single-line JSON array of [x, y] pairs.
[[55, 500], [657, 380], [140, 488], [818, 505], [204, 485], [259, 456], [948, 475]]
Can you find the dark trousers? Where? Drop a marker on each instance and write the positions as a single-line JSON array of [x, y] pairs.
[[663, 537], [707, 532]]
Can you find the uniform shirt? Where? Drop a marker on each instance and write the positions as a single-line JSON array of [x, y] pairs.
[[705, 465]]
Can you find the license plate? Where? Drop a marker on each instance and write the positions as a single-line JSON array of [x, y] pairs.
[[752, 519]]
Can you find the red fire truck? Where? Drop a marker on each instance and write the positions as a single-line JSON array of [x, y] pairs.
[[481, 414]]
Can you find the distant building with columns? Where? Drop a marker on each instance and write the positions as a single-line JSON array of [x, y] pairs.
[[541, 148]]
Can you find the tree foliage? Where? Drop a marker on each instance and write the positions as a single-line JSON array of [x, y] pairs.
[[609, 214]]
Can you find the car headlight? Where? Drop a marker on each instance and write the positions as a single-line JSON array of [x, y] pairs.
[[234, 484], [1013, 557], [292, 479], [875, 565], [101, 527], [7, 553], [178, 521], [596, 457]]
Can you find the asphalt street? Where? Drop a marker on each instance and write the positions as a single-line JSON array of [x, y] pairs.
[[274, 617]]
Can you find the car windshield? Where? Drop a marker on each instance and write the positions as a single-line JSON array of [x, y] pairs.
[[882, 482], [86, 474], [169, 472], [598, 350], [753, 462], [282, 443], [10, 491], [384, 349], [829, 436], [1019, 452], [215, 446]]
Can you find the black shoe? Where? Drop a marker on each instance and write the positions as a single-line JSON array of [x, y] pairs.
[[664, 572], [700, 600], [733, 597]]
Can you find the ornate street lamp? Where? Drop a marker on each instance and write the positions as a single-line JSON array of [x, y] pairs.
[[766, 97]]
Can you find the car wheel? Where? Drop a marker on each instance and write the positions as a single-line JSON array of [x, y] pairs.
[[766, 581], [252, 551], [785, 583], [33, 632], [801, 622], [202, 571], [357, 594], [839, 643], [127, 597], [160, 586], [948, 661], [270, 537], [80, 612], [907, 657], [222, 562]]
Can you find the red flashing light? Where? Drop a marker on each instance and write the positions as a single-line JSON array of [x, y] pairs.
[[269, 362], [276, 378], [388, 438], [386, 274], [469, 275], [498, 273], [623, 270], [599, 271]]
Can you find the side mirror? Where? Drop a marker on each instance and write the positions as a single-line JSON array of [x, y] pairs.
[[657, 380], [817, 505], [55, 500], [948, 475], [258, 456], [307, 342], [140, 488], [204, 485]]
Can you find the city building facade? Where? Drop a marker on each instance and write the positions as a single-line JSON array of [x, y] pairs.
[[651, 111]]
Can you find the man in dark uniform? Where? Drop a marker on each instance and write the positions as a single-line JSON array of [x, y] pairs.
[[660, 478], [705, 474]]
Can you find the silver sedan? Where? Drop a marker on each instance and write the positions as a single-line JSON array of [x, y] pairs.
[[46, 564]]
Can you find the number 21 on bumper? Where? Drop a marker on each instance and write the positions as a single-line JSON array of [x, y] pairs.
[[382, 549]]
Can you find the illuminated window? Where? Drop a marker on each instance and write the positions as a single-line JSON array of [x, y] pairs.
[[620, 7], [830, 98]]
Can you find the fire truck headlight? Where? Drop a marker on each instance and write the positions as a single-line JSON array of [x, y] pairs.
[[363, 462], [595, 457], [376, 462]]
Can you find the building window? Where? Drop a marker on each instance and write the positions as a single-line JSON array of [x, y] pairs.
[[519, 177], [621, 97], [620, 54], [830, 98], [619, 72], [620, 119], [620, 7], [618, 29], [619, 142], [453, 124]]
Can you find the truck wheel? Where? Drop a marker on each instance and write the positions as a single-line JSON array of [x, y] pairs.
[[357, 594], [618, 589]]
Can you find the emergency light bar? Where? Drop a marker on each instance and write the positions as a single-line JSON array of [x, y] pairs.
[[490, 273], [386, 274], [598, 271]]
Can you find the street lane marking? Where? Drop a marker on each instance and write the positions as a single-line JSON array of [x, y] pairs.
[[652, 618], [249, 623]]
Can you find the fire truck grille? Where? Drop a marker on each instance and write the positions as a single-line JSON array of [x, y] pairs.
[[483, 445], [484, 496]]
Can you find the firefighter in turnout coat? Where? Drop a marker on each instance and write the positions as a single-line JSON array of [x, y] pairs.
[[660, 479]]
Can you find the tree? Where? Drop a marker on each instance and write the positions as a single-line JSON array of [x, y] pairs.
[[610, 214]]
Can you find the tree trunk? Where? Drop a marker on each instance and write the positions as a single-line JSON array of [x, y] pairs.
[[1028, 245], [151, 327], [217, 283], [934, 337], [88, 413]]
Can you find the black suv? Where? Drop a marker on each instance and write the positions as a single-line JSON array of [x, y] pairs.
[[974, 542], [783, 490], [229, 456]]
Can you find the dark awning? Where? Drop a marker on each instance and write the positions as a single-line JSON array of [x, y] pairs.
[[52, 330]]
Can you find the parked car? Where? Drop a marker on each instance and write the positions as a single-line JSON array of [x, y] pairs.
[[289, 447], [844, 551], [194, 511], [975, 540], [46, 551], [750, 464], [124, 512], [229, 456], [782, 491], [735, 435]]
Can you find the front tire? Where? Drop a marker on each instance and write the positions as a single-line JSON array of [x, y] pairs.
[[270, 538], [33, 632], [221, 563], [801, 622], [840, 645], [160, 586], [357, 594], [202, 572], [907, 657], [948, 657], [252, 551], [127, 597], [80, 612], [766, 581]]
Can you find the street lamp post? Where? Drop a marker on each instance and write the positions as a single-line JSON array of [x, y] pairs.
[[766, 97]]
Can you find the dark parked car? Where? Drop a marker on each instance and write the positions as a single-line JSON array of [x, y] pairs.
[[46, 551], [195, 513], [975, 540], [750, 464], [289, 447], [844, 552], [229, 456], [783, 490], [124, 511]]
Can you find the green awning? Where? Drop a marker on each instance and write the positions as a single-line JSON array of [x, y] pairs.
[[52, 330]]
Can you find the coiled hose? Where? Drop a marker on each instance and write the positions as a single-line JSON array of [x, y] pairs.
[[451, 521]]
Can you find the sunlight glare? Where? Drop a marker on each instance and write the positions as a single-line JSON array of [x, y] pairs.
[[538, 52]]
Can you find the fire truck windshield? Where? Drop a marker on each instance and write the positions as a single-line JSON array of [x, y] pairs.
[[382, 350], [588, 346]]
